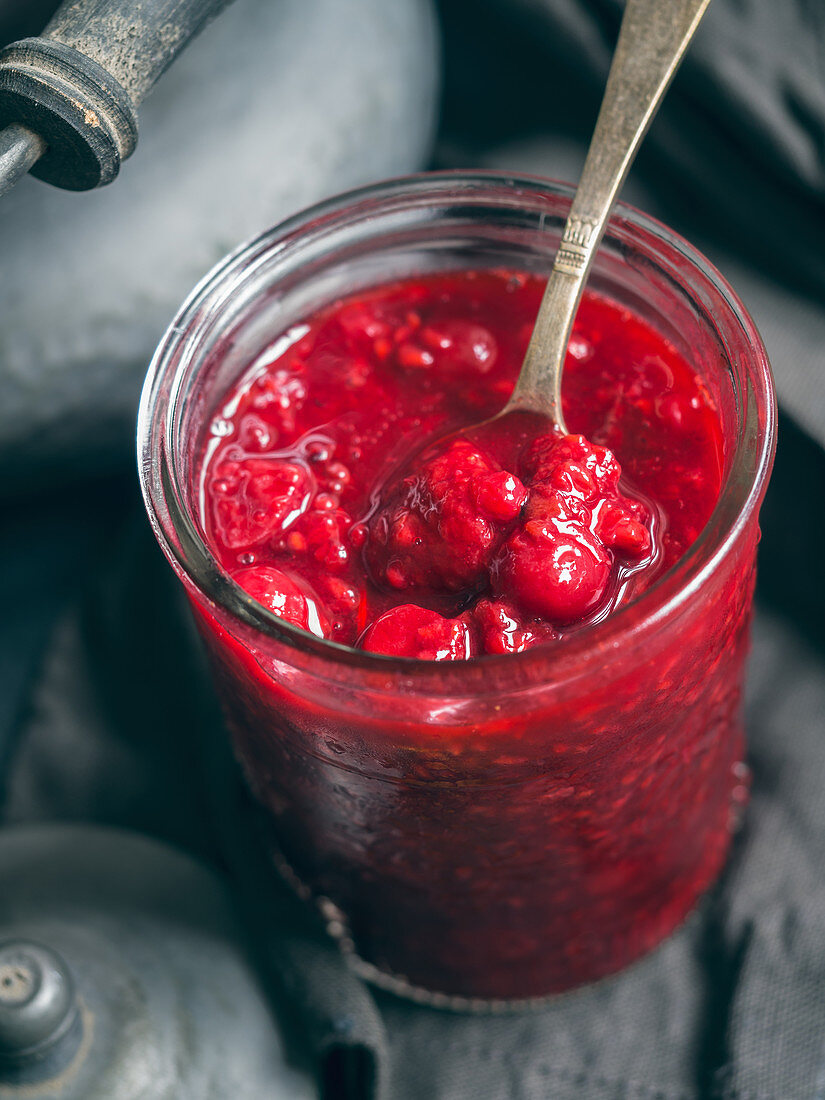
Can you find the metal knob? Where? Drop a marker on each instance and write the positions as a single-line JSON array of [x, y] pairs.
[[70, 96], [37, 1000]]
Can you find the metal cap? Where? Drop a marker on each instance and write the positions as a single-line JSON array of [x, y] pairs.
[[37, 1000], [83, 116]]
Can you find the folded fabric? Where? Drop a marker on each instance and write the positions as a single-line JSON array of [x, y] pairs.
[[790, 321], [739, 136], [735, 159]]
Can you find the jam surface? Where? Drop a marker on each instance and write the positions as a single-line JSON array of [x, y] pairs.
[[336, 496]]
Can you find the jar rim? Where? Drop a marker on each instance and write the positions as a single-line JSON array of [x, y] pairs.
[[188, 552]]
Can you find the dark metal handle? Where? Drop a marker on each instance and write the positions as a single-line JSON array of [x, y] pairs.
[[134, 42], [73, 91]]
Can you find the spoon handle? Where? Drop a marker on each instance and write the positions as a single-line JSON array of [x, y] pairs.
[[653, 38]]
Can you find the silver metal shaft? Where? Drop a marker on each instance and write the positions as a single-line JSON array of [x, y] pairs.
[[20, 148], [652, 41]]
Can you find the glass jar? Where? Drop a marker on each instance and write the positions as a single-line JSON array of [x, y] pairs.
[[510, 827]]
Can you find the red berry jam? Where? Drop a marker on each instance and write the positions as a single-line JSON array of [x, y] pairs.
[[504, 833], [319, 471]]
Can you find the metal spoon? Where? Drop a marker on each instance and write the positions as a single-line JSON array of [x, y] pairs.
[[652, 41]]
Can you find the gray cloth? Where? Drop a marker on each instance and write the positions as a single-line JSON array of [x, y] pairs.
[[791, 323], [735, 160]]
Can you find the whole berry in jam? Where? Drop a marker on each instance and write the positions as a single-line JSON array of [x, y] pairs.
[[255, 498], [554, 567], [412, 631], [502, 628], [440, 527], [558, 563], [283, 595]]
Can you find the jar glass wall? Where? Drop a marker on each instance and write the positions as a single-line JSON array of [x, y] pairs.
[[513, 826]]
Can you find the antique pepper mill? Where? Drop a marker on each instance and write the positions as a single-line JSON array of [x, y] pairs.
[[68, 98]]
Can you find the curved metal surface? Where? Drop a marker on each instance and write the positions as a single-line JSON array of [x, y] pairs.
[[170, 1007], [20, 149]]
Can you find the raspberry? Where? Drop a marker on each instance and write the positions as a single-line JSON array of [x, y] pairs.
[[411, 631], [503, 631], [359, 320], [537, 460], [440, 527], [574, 456], [619, 529], [555, 567], [460, 346], [280, 395], [449, 347], [573, 479], [282, 594], [324, 535], [255, 498], [557, 564], [500, 495], [346, 604]]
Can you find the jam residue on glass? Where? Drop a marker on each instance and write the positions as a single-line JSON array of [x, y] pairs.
[[335, 495]]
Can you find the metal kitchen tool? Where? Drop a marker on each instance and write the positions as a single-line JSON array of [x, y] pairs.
[[124, 974], [652, 41], [68, 98]]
